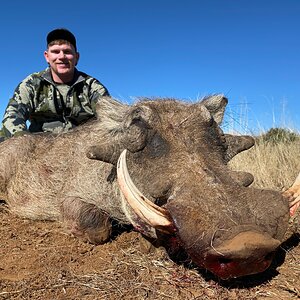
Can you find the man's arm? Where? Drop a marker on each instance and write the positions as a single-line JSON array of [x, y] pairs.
[[98, 90], [17, 111]]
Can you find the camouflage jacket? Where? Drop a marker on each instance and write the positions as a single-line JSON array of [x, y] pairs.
[[37, 99]]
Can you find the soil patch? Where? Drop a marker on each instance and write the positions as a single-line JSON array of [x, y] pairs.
[[39, 261]]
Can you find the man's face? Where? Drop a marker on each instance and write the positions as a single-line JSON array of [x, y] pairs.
[[62, 60]]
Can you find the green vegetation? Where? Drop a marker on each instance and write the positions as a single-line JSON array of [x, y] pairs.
[[278, 135]]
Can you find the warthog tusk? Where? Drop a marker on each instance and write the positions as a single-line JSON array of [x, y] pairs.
[[149, 212]]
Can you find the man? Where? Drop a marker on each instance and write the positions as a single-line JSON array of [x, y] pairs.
[[56, 99]]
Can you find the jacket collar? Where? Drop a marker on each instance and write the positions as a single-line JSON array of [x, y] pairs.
[[78, 76]]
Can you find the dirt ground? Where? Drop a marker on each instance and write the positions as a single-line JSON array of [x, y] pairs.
[[39, 261]]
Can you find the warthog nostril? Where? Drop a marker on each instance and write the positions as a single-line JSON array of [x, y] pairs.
[[269, 256], [224, 260]]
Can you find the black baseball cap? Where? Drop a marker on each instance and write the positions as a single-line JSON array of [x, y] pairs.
[[61, 34]]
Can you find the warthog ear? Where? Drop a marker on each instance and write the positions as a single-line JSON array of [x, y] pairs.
[[216, 106]]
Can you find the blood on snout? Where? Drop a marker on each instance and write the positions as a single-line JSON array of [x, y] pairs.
[[227, 268]]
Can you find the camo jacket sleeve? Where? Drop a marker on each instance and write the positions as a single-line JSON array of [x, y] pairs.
[[18, 109], [97, 91]]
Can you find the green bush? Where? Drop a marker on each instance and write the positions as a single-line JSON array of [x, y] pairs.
[[278, 135]]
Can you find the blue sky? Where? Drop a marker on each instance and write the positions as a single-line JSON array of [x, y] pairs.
[[248, 50]]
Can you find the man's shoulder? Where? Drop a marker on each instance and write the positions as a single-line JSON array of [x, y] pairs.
[[36, 77], [88, 79], [81, 76]]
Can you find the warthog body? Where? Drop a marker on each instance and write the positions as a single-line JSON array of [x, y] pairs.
[[176, 155]]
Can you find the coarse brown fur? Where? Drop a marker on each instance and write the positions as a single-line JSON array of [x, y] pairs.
[[177, 156]]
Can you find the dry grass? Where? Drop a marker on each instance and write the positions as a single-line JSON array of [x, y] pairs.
[[274, 165]]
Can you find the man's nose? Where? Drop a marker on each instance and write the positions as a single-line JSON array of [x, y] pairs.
[[61, 54]]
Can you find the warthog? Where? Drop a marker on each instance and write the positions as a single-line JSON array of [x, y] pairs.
[[160, 165]]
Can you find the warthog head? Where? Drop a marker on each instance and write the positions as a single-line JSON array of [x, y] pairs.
[[175, 180]]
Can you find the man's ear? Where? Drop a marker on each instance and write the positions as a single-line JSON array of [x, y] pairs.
[[46, 56]]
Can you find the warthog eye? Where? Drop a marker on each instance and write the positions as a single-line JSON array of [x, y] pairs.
[[160, 201], [137, 120]]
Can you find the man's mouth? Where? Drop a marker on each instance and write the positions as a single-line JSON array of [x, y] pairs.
[[63, 65]]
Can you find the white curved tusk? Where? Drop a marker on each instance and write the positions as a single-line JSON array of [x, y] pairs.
[[150, 213]]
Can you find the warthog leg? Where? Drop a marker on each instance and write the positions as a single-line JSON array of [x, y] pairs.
[[85, 221]]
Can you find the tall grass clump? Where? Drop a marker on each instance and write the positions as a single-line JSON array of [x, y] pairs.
[[274, 160], [278, 135]]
